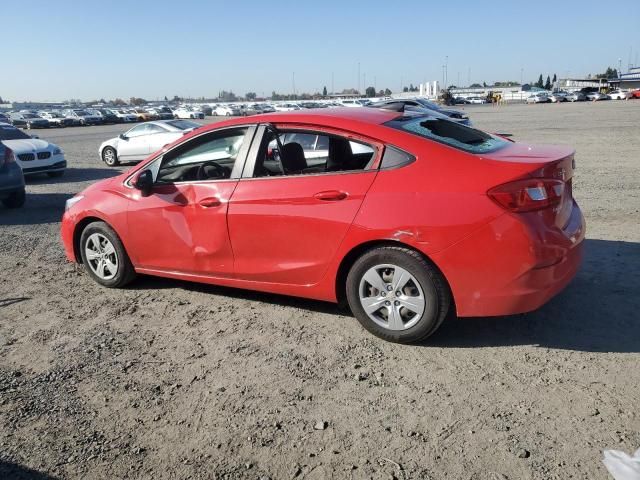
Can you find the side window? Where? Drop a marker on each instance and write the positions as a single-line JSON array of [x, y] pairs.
[[137, 131], [153, 128], [208, 157], [305, 152]]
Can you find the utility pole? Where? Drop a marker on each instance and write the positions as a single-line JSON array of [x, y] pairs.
[[375, 83], [293, 81], [364, 81], [521, 76], [358, 78], [619, 67], [469, 77], [446, 71], [332, 88]]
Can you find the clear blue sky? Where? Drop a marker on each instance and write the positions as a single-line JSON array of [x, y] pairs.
[[56, 50]]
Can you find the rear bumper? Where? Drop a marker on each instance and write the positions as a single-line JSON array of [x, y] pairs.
[[512, 266]]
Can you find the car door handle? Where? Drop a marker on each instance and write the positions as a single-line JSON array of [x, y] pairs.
[[210, 202], [331, 195]]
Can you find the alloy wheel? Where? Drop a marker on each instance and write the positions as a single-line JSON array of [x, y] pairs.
[[391, 297], [101, 256]]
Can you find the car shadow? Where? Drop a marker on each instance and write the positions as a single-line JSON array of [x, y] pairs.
[[74, 175], [5, 302], [14, 471], [39, 208], [597, 312]]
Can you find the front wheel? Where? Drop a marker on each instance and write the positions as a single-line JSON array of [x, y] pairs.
[[397, 295], [104, 256], [110, 156]]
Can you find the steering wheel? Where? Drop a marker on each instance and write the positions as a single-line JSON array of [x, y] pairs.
[[221, 172]]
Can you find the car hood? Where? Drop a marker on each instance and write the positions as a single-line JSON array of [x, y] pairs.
[[27, 145]]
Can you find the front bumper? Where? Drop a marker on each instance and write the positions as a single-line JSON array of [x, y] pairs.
[[57, 166]]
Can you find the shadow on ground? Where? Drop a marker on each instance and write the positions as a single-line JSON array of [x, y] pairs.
[[13, 471], [72, 175], [38, 208], [598, 312]]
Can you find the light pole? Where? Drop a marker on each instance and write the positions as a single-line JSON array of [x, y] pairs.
[[293, 82], [358, 77], [619, 67], [521, 76]]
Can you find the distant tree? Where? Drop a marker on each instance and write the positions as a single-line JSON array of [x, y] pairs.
[[547, 84], [250, 95], [227, 96], [475, 85], [176, 98], [381, 93], [1, 101], [555, 79], [540, 82], [484, 84], [137, 101], [609, 73], [405, 89], [324, 91], [350, 91], [370, 92], [119, 102], [387, 91]]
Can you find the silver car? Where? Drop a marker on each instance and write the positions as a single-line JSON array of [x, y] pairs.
[[576, 97], [139, 142]]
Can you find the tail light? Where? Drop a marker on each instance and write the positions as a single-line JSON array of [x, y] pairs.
[[528, 195], [9, 157]]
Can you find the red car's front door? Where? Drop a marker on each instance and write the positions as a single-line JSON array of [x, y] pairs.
[[286, 228], [182, 228]]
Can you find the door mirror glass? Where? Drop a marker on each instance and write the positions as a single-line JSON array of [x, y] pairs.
[[144, 182], [122, 136]]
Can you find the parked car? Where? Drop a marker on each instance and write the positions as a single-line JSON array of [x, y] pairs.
[[144, 115], [558, 97], [186, 113], [33, 154], [422, 104], [597, 96], [12, 192], [138, 142], [619, 95], [477, 100], [125, 116], [107, 115], [4, 118], [28, 120], [82, 117], [397, 231], [225, 110], [56, 119], [351, 103], [461, 101], [635, 93], [576, 97], [540, 97]]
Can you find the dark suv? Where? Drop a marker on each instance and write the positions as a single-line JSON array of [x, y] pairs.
[[12, 192]]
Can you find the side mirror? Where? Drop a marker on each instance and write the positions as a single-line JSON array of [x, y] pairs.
[[144, 182], [122, 136]]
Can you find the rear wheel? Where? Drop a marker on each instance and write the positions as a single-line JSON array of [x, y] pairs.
[[104, 256], [15, 200], [110, 156], [397, 295]]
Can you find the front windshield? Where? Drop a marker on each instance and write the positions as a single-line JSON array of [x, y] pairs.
[[12, 133], [81, 112], [449, 133], [29, 115]]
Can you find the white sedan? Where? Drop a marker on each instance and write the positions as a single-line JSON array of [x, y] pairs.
[[137, 143], [619, 95], [226, 110], [187, 113], [33, 154]]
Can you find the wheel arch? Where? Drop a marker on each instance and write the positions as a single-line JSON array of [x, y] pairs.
[[349, 259], [77, 233]]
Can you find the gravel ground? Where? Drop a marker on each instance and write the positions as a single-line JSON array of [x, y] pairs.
[[168, 379]]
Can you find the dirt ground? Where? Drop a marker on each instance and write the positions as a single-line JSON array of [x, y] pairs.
[[168, 379]]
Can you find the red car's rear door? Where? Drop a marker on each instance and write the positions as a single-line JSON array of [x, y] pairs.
[[286, 229]]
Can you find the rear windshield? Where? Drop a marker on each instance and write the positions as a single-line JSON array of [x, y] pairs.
[[450, 133]]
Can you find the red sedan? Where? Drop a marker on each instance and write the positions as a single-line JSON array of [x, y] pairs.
[[407, 217]]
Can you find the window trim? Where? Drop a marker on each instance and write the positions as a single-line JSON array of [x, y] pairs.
[[155, 163], [252, 158]]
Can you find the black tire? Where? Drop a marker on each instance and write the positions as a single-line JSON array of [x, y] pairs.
[[113, 162], [125, 272], [15, 200], [56, 174], [433, 285]]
